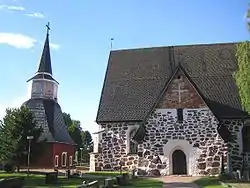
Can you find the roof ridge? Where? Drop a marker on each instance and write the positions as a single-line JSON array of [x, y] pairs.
[[179, 45]]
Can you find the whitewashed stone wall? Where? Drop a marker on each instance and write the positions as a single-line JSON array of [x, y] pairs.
[[114, 148], [197, 137], [235, 146]]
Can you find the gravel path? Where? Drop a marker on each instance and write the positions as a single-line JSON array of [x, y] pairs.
[[179, 182]]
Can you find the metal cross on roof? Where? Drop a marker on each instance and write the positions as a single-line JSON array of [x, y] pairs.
[[48, 28]]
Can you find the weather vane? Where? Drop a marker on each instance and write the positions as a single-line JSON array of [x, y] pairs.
[[48, 28], [111, 43]]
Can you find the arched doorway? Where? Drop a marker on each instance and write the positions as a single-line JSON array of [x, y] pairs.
[[179, 162]]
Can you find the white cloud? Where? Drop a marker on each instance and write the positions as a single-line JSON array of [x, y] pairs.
[[12, 8], [17, 102], [16, 8], [21, 9], [54, 46], [35, 15], [17, 40]]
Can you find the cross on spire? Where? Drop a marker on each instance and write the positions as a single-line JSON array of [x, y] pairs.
[[48, 28]]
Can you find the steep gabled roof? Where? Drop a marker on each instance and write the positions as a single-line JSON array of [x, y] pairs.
[[135, 78]]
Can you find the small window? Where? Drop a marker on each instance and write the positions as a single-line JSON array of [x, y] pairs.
[[133, 147], [180, 115], [56, 161], [70, 161], [64, 159]]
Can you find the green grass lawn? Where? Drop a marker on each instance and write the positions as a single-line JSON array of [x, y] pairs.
[[146, 182], [209, 182], [105, 173], [38, 181], [139, 182]]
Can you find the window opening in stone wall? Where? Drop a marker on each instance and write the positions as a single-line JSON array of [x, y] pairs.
[[133, 146], [246, 138], [180, 115]]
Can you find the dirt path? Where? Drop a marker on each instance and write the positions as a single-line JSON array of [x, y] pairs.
[[179, 182]]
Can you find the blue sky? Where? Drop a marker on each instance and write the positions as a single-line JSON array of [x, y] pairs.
[[80, 37]]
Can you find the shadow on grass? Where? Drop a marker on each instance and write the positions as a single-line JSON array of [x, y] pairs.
[[35, 180], [105, 173], [208, 182], [146, 182]]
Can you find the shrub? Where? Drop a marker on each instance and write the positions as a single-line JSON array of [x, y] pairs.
[[9, 167]]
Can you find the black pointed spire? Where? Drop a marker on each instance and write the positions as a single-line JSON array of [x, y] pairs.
[[45, 62], [45, 68]]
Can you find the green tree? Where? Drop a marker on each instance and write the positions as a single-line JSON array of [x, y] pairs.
[[87, 142], [17, 124], [75, 132], [242, 75], [83, 139], [67, 119]]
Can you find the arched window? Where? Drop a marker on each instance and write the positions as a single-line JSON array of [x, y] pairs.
[[70, 160], [56, 161], [64, 159], [246, 138], [133, 146]]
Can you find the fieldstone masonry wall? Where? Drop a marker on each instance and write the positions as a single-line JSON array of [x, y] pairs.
[[114, 148], [235, 146], [197, 136]]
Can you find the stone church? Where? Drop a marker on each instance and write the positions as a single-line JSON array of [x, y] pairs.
[[55, 148], [172, 110]]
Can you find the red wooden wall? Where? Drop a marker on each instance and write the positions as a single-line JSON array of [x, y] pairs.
[[43, 155], [59, 149]]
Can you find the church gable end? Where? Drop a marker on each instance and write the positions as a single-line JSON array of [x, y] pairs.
[[180, 93]]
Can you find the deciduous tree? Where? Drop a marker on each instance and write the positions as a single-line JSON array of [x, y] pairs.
[[242, 75], [17, 124], [83, 139]]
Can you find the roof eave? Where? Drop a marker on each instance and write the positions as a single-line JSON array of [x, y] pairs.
[[120, 121]]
